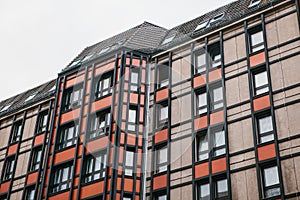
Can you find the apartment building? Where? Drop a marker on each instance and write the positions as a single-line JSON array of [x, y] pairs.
[[206, 110]]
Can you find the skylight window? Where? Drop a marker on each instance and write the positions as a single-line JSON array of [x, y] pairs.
[[5, 108], [217, 18], [53, 88], [169, 39], [254, 3], [104, 50], [87, 58], [30, 97], [202, 25], [75, 63]]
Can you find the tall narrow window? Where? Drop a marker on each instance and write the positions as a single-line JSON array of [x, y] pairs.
[[271, 182], [67, 136], [215, 56], [203, 147], [72, 98], [218, 142], [8, 168], [129, 162], [163, 76], [16, 131], [95, 166], [265, 128], [201, 102], [100, 124], [200, 61], [134, 80], [221, 188], [36, 159], [162, 111], [161, 197], [104, 85], [42, 122], [132, 118], [261, 83], [256, 40], [161, 159], [216, 94], [204, 191], [62, 178], [30, 192]]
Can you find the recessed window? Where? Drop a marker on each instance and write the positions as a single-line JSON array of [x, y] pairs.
[[62, 178], [217, 18], [36, 159], [254, 3], [29, 193], [53, 88], [221, 188], [200, 62], [161, 197], [104, 50], [202, 25], [201, 102], [161, 159], [261, 84], [75, 63], [169, 39], [271, 182], [67, 136], [3, 197], [215, 56], [132, 118], [8, 168], [134, 80], [265, 128], [72, 98], [218, 142], [100, 124], [16, 131], [256, 40], [163, 76], [162, 111], [94, 167], [4, 108], [104, 85], [42, 122], [204, 191], [203, 146], [30, 97], [127, 198], [129, 162], [216, 95], [87, 58]]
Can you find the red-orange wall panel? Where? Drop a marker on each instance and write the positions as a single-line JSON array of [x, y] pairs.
[[128, 185], [12, 149], [160, 182], [162, 94], [134, 98], [101, 104], [32, 178], [215, 75], [97, 144], [261, 103], [92, 190], [216, 118], [105, 68], [64, 195], [219, 165], [201, 170], [266, 152], [200, 123], [64, 155], [131, 139], [161, 136], [74, 81], [257, 59], [39, 139], [4, 187], [70, 116], [199, 81]]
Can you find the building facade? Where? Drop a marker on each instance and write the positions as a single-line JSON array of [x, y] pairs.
[[206, 110]]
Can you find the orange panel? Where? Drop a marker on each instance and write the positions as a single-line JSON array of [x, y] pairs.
[[199, 81], [141, 114], [217, 117], [78, 162], [136, 62], [76, 181], [131, 139], [257, 59], [119, 183], [128, 185], [74, 195], [137, 186], [83, 124], [162, 94], [201, 170], [96, 144], [160, 182], [161, 136], [32, 178], [261, 103], [4, 187], [105, 68], [70, 116], [64, 155], [200, 123], [143, 80], [12, 149], [219, 165], [64, 195], [74, 81], [266, 152], [215, 75], [134, 98], [92, 190], [39, 139], [100, 104]]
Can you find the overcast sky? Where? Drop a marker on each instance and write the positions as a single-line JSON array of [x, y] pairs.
[[38, 38]]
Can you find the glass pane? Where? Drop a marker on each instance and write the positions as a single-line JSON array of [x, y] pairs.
[[204, 191], [128, 172], [162, 155], [76, 95], [218, 94], [65, 173], [164, 83], [163, 197], [271, 176], [105, 83], [263, 90], [261, 79], [134, 77], [265, 124], [57, 176], [202, 147], [201, 60], [216, 60], [89, 167], [163, 113], [222, 188], [98, 163], [132, 116], [257, 38], [219, 139], [267, 138], [129, 158], [202, 99], [272, 192]]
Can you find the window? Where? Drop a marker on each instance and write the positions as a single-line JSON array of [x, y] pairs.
[[217, 18], [162, 113], [72, 98], [256, 40], [216, 94], [204, 191], [202, 25], [161, 197], [201, 102], [95, 166], [67, 136], [271, 181], [200, 61], [104, 50], [4, 108], [100, 124], [168, 39], [30, 192], [134, 80], [36, 159], [3, 197], [127, 197], [17, 132], [30, 97], [42, 122], [261, 83], [132, 118], [129, 162], [215, 56], [8, 169], [161, 159], [254, 3], [218, 142], [202, 146], [265, 128], [104, 85], [62, 178], [221, 189], [163, 76]]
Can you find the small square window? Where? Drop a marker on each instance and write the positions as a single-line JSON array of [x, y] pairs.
[[162, 111], [261, 84], [203, 146], [161, 159], [254, 3], [8, 168], [42, 122], [132, 118], [204, 191], [94, 167], [256, 40], [202, 25], [265, 128], [271, 182], [134, 80], [72, 98], [215, 56], [104, 85], [17, 131], [169, 39], [100, 124], [163, 76], [161, 197], [36, 159], [67, 136]]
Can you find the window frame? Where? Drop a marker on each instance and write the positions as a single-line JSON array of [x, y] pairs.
[[201, 91], [42, 118], [261, 45], [28, 190], [158, 163], [214, 50], [95, 121], [160, 106], [216, 192], [267, 133], [212, 101], [17, 131], [68, 103], [274, 186], [35, 162], [8, 169], [102, 171], [213, 146], [129, 168], [60, 169], [202, 134], [202, 68], [265, 86], [65, 139], [132, 125], [203, 183], [134, 87], [100, 90], [162, 71]]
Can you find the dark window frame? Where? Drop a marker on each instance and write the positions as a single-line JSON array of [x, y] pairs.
[[69, 103], [42, 121], [100, 117], [134, 87], [27, 192], [160, 106], [212, 102], [17, 131], [265, 134], [59, 185], [158, 163], [100, 90], [261, 45], [255, 88], [132, 126], [63, 142], [212, 142], [128, 167], [201, 91], [163, 76], [8, 169], [204, 182], [199, 136], [274, 186], [214, 50], [215, 185], [200, 69], [35, 159]]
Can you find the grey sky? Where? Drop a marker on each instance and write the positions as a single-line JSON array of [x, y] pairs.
[[39, 38]]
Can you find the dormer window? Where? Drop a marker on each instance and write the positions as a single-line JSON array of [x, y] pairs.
[[87, 58], [75, 63], [217, 18], [104, 50], [4, 108], [254, 3], [30, 97], [202, 25], [169, 39]]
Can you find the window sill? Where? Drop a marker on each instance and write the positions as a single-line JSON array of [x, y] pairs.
[[65, 148], [58, 192], [103, 97], [156, 174], [92, 182], [71, 109], [256, 52]]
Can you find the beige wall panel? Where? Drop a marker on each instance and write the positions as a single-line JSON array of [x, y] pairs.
[[5, 122], [291, 71], [176, 71], [289, 176], [186, 107], [288, 28], [239, 185], [29, 128], [5, 133], [230, 51], [297, 170], [252, 184], [293, 118], [276, 76], [186, 147], [272, 34], [176, 111], [176, 153], [152, 78], [237, 90], [149, 163], [187, 192], [176, 194], [241, 46], [281, 117]]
